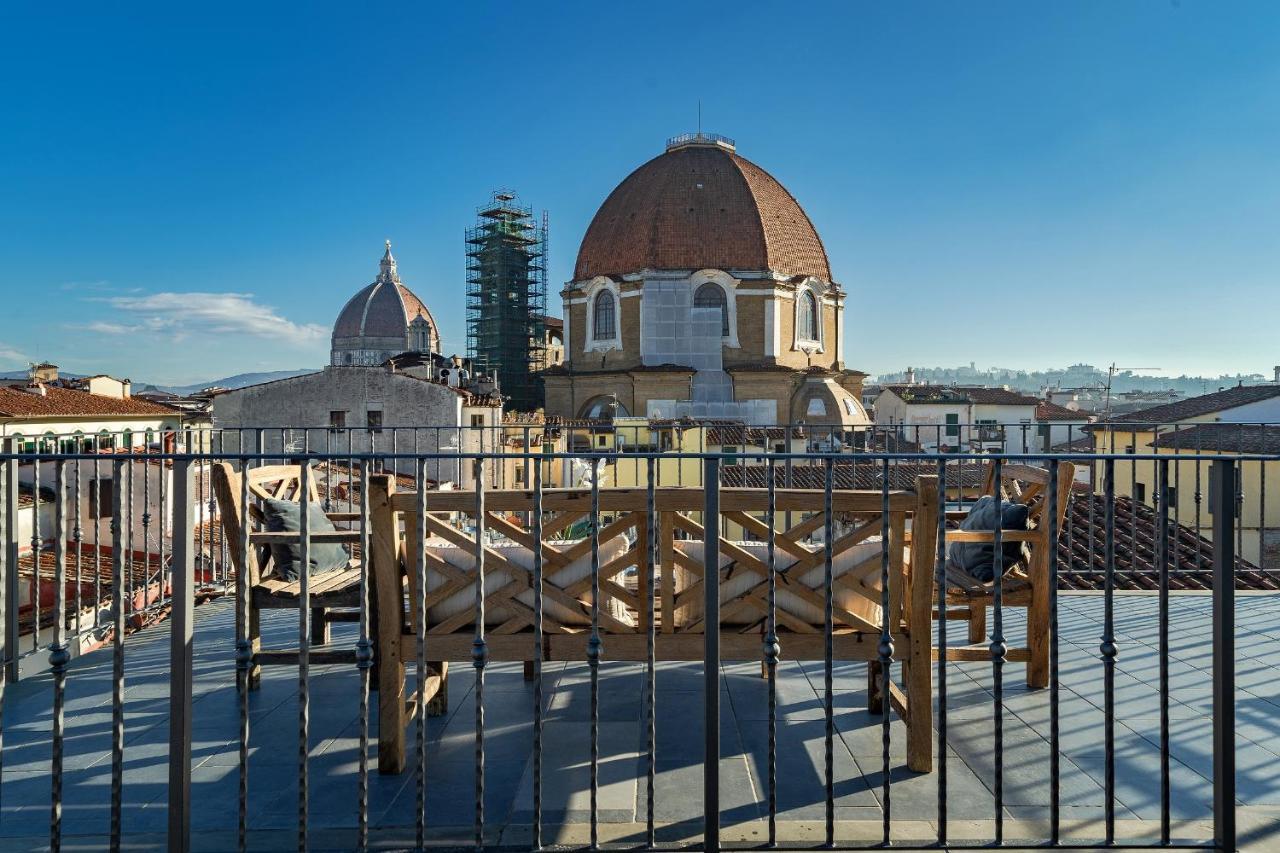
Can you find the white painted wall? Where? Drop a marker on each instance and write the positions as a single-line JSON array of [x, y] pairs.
[[1018, 438], [1059, 432], [924, 423], [298, 408], [35, 428], [1263, 411], [152, 494]]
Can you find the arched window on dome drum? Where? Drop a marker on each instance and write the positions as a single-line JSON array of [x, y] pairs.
[[808, 317], [604, 325], [712, 296]]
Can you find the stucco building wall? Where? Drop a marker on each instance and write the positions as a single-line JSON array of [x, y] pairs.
[[298, 410]]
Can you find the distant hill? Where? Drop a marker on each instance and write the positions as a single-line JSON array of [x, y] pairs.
[[240, 380]]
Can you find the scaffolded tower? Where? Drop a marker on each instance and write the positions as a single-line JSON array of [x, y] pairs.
[[507, 297]]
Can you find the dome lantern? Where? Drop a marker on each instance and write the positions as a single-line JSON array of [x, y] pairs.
[[387, 267]]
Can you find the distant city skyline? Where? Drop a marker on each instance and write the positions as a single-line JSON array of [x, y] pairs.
[[1084, 377], [186, 198], [1029, 380]]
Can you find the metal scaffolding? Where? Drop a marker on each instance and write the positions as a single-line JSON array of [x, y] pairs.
[[507, 297]]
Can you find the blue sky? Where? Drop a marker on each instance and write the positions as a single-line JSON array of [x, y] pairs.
[[188, 192]]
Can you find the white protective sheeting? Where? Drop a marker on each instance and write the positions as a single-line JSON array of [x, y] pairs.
[[675, 332]]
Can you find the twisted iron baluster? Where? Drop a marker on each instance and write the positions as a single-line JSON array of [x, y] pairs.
[[37, 547], [940, 585], [772, 651], [130, 543], [77, 537], [536, 524], [364, 658], [1055, 797], [479, 652], [59, 656], [244, 654], [999, 648], [885, 649], [594, 647], [828, 649], [1107, 651], [304, 648], [420, 607], [146, 535], [118, 564], [95, 494], [651, 683], [1162, 566]]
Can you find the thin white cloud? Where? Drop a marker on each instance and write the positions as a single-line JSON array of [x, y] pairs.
[[100, 285], [185, 314], [105, 328], [10, 355]]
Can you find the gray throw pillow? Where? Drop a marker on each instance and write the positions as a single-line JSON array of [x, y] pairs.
[[286, 517], [978, 558]]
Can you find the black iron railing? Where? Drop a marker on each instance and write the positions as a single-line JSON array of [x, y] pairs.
[[185, 504]]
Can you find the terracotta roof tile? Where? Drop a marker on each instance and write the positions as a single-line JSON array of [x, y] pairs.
[[998, 396], [1047, 411], [924, 394], [755, 436], [1233, 438], [1083, 562], [1207, 404], [696, 207], [18, 403], [860, 474]]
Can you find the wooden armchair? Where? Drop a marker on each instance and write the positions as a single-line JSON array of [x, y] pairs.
[[334, 596], [1026, 584]]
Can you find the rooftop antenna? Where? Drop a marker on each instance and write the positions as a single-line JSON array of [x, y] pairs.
[[1111, 373], [699, 116]]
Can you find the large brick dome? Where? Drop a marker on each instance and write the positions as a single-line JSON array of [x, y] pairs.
[[697, 206], [382, 309]]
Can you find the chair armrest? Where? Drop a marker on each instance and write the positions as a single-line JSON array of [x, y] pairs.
[[287, 538], [990, 536]]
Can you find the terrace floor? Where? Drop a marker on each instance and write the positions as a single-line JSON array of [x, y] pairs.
[[450, 787]]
